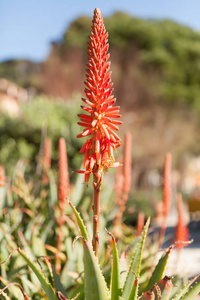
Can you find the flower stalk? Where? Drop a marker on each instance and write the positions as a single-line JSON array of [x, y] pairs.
[[47, 160], [63, 192], [96, 219], [99, 123], [167, 195]]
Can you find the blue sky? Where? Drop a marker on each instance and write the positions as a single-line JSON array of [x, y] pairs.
[[28, 26]]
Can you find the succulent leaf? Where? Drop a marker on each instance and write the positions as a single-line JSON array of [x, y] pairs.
[[58, 283], [185, 288], [134, 290], [80, 222], [45, 284], [5, 295], [192, 293], [13, 290], [135, 263], [115, 287], [160, 268], [95, 285]]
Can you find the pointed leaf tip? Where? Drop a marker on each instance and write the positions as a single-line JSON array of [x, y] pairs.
[[45, 284], [81, 225]]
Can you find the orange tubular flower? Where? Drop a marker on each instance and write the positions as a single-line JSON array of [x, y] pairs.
[[99, 123]]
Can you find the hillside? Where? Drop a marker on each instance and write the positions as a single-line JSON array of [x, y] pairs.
[[23, 72], [151, 60]]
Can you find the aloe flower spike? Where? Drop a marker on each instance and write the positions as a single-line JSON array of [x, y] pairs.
[[97, 120]]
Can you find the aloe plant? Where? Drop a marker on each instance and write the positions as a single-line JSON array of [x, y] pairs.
[[114, 286], [31, 211]]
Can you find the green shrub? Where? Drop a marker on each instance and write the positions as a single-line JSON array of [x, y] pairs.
[[20, 137]]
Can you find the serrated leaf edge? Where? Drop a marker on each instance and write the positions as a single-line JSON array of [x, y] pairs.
[[83, 230], [48, 288], [185, 288], [141, 244], [93, 257]]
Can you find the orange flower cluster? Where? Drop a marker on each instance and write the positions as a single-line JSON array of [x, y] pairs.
[[99, 124]]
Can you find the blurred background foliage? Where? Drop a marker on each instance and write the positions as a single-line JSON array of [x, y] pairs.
[[155, 67], [21, 137]]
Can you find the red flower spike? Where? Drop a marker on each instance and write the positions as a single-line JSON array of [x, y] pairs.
[[167, 185], [99, 125], [63, 187], [140, 223], [63, 191], [127, 163], [47, 153], [181, 233]]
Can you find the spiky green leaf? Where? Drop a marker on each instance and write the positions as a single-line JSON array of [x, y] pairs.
[[5, 295], [95, 285], [58, 283], [185, 288], [135, 263], [45, 284], [115, 287], [134, 290], [80, 222], [159, 268], [192, 293]]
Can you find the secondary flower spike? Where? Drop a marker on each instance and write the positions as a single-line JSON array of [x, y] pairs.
[[102, 119]]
